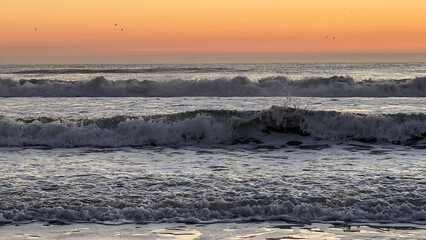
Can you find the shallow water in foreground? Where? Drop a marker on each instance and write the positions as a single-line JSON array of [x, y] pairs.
[[314, 181], [226, 231]]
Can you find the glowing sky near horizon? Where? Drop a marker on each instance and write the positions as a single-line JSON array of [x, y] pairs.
[[87, 27]]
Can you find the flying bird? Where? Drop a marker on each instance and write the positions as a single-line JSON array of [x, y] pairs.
[[35, 29], [115, 24], [121, 29]]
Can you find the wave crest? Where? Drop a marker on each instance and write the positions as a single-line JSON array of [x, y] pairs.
[[336, 86], [223, 211], [210, 127]]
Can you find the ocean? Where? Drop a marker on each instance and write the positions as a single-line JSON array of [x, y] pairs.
[[326, 143]]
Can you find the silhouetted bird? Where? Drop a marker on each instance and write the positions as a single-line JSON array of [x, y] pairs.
[[326, 36], [121, 29], [115, 24], [35, 29]]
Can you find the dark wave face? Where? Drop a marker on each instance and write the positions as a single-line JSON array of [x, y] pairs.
[[223, 87], [203, 127]]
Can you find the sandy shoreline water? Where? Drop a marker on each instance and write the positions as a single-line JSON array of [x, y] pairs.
[[260, 230]]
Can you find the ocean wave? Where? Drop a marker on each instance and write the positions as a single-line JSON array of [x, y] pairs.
[[336, 86], [205, 211], [204, 127]]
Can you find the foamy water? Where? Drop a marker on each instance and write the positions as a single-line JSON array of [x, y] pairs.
[[336, 86], [219, 143]]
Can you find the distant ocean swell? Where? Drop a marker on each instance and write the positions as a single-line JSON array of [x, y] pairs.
[[336, 86], [152, 69], [203, 127]]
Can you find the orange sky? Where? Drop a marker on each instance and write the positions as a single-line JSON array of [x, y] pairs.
[[228, 27]]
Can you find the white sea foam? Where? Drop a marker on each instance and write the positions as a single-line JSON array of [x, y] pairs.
[[196, 185], [210, 127], [224, 211], [222, 87]]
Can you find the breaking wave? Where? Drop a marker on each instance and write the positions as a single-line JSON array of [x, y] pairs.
[[203, 127], [205, 211], [336, 86]]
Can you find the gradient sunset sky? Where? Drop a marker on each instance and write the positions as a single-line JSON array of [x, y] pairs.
[[84, 31]]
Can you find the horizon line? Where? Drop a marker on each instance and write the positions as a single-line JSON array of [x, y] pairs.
[[212, 58]]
